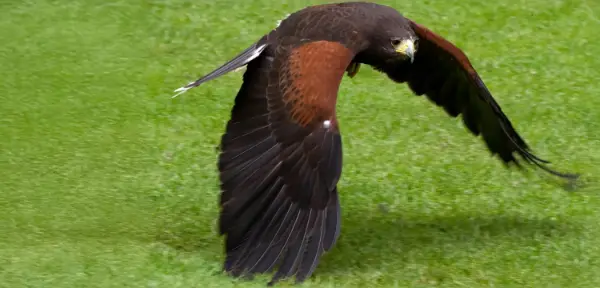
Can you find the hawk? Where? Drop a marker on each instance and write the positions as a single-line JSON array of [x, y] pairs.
[[281, 153]]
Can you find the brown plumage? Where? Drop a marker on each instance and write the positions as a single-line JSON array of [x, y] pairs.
[[281, 154]]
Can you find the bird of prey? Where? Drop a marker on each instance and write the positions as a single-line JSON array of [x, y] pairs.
[[281, 153]]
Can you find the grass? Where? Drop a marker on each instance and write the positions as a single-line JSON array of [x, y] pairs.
[[107, 182]]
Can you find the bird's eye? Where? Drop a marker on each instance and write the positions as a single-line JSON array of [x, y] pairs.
[[396, 42]]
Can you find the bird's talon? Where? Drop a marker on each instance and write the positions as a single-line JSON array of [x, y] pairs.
[[353, 69]]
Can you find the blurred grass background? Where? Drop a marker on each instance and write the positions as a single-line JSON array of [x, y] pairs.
[[105, 181]]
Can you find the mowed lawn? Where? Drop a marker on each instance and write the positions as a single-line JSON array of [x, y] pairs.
[[105, 181]]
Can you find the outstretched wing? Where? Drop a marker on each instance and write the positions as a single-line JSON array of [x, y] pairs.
[[443, 73], [281, 160]]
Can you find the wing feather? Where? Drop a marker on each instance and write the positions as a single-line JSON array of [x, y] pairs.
[[443, 73], [279, 165]]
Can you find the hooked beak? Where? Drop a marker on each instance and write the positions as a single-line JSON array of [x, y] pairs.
[[407, 48]]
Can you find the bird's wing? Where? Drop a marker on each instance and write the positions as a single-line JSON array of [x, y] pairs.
[[445, 75], [281, 160]]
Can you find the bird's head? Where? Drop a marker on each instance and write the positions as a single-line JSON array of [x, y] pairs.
[[394, 39], [390, 38]]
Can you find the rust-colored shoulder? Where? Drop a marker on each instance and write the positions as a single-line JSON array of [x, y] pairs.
[[444, 44], [314, 74]]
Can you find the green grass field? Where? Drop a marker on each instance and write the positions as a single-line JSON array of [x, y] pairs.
[[106, 181]]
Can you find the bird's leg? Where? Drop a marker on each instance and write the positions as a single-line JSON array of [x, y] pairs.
[[353, 69]]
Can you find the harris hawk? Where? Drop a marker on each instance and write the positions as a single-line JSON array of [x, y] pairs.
[[281, 153]]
